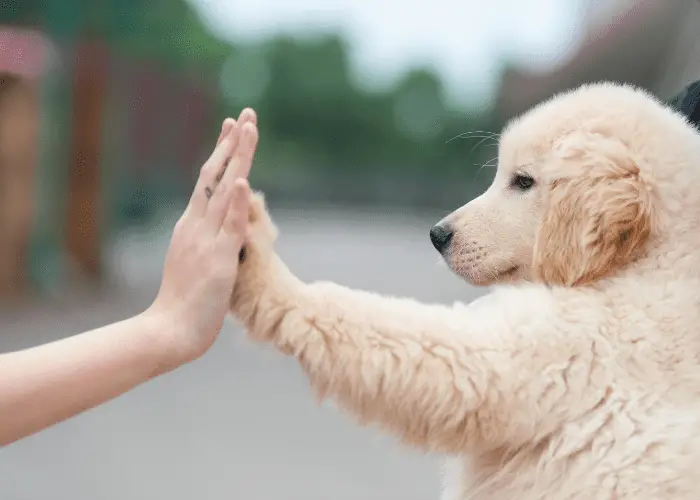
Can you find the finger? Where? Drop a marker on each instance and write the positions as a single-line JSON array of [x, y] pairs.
[[206, 183], [225, 129], [239, 166], [236, 221], [248, 115], [243, 159]]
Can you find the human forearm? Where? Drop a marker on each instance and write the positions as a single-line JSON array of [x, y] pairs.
[[44, 385]]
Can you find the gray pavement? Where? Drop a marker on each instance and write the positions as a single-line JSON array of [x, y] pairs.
[[240, 423]]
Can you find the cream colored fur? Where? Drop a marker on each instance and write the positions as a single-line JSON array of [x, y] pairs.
[[577, 378]]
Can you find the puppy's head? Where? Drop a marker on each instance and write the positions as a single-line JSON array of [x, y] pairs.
[[574, 197]]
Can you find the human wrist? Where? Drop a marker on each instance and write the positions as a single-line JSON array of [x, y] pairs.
[[167, 338]]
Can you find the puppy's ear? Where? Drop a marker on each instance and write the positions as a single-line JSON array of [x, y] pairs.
[[598, 213]]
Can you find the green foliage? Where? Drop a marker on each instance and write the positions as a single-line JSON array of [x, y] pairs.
[[313, 116], [168, 31], [21, 12], [165, 30]]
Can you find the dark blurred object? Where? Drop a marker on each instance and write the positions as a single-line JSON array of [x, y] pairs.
[[688, 103]]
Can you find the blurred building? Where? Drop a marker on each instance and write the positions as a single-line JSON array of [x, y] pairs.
[[83, 128], [650, 43], [23, 55], [24, 51]]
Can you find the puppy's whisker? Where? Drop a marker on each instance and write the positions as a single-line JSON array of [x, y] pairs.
[[481, 132], [488, 163], [480, 143], [484, 165], [492, 272], [473, 133]]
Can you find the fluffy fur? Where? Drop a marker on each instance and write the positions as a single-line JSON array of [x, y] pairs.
[[579, 376]]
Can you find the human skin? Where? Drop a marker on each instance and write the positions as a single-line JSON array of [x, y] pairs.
[[47, 384]]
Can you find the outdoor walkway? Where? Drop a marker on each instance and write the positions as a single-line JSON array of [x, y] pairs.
[[241, 423]]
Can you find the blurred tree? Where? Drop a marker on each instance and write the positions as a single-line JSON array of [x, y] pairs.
[[314, 118], [21, 12], [164, 30], [168, 31], [420, 107]]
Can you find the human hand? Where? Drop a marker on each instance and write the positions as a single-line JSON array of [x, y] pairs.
[[201, 264]]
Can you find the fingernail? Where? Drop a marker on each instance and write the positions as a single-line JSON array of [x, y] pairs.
[[251, 115]]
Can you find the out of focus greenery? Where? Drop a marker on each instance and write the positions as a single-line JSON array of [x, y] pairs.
[[315, 121]]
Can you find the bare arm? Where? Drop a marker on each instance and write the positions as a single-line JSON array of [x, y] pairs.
[[44, 385], [52, 382], [493, 373]]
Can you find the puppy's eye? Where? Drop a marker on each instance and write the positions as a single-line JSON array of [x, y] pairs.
[[522, 182]]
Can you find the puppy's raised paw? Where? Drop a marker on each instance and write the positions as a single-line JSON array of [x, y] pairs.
[[261, 224], [262, 232], [256, 272]]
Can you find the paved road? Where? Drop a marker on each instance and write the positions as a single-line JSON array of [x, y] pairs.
[[241, 422]]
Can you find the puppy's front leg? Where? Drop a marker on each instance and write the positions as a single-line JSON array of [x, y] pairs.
[[442, 378]]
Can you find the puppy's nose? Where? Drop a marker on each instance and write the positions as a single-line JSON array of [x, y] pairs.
[[440, 236]]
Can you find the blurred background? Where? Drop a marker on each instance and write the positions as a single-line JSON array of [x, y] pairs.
[[376, 119]]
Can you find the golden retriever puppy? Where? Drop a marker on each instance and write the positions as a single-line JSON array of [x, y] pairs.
[[579, 376]]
